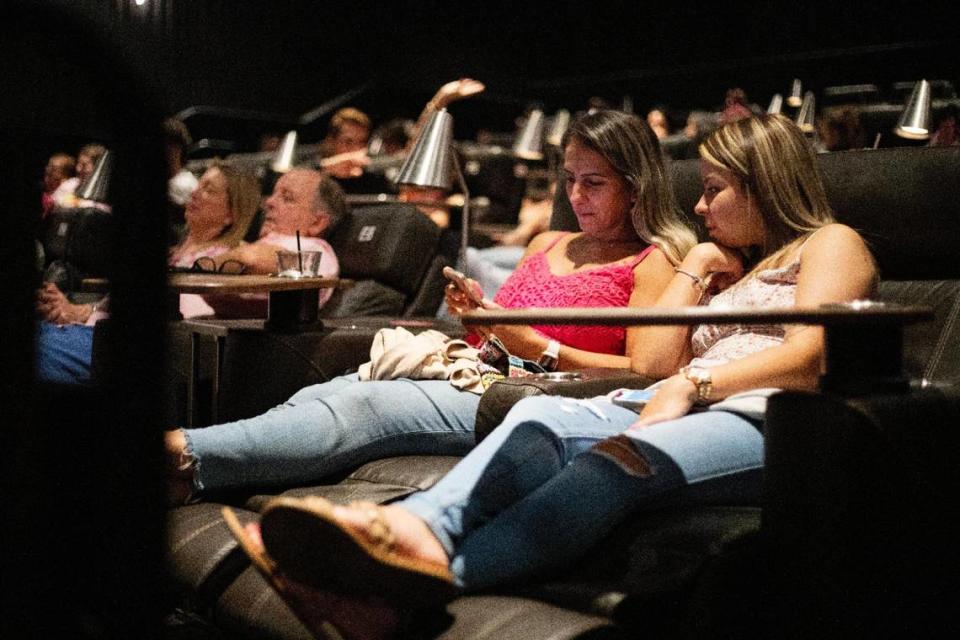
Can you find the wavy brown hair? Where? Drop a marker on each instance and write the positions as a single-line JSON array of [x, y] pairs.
[[630, 146]]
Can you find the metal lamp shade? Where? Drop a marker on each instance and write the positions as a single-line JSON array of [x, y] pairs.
[[561, 120], [286, 154], [428, 164], [805, 119], [776, 104], [529, 144], [97, 186], [914, 122], [795, 99]]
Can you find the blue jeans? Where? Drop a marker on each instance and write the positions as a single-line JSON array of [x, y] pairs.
[[331, 427], [558, 474], [64, 353]]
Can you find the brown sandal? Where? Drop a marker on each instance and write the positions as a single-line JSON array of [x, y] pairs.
[[325, 614], [311, 545]]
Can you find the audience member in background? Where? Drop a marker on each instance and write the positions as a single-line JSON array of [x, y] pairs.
[[180, 182], [303, 201], [946, 135], [218, 215], [269, 142], [60, 168], [658, 121], [700, 124], [839, 129], [632, 235], [393, 138], [87, 159], [736, 106], [344, 150], [554, 479], [596, 103]]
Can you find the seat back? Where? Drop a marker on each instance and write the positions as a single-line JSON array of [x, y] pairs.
[[79, 242], [931, 350], [903, 200], [390, 250]]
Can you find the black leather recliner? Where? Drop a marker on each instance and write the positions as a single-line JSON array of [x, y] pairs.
[[841, 472], [77, 244]]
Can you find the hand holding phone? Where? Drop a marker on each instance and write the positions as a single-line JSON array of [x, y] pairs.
[[469, 287]]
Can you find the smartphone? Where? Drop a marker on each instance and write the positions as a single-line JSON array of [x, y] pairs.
[[634, 399], [459, 279]]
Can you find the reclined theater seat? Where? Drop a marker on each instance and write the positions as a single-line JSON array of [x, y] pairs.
[[390, 252], [707, 571], [77, 244]]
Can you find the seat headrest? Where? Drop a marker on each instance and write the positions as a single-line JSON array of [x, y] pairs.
[[391, 243], [905, 201]]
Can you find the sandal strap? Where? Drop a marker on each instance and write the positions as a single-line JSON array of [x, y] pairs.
[[379, 530]]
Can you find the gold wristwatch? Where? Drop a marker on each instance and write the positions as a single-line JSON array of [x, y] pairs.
[[699, 376]]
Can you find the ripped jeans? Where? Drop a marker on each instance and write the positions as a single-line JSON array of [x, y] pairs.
[[559, 474]]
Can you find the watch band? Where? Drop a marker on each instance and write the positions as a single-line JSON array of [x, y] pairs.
[[550, 357], [699, 376]]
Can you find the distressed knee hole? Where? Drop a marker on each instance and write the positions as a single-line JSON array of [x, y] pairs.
[[624, 453]]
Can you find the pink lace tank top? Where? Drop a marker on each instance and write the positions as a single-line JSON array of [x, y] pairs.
[[534, 285]]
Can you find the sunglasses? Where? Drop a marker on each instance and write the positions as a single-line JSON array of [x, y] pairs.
[[206, 264]]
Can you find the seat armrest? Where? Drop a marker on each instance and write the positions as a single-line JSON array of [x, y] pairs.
[[503, 394], [860, 512]]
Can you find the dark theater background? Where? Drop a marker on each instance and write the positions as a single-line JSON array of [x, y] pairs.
[[83, 519]]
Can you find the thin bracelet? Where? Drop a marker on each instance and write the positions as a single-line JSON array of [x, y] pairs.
[[697, 280]]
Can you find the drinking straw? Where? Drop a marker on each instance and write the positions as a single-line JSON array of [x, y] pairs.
[[299, 253]]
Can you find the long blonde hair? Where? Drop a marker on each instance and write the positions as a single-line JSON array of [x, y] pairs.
[[629, 145], [243, 200], [778, 169]]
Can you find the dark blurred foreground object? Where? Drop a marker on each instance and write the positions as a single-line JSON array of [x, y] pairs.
[[83, 495]]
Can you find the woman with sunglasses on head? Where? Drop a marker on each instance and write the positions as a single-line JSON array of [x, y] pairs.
[[558, 474], [218, 215]]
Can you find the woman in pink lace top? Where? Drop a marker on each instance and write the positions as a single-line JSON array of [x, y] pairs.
[[558, 474], [630, 239]]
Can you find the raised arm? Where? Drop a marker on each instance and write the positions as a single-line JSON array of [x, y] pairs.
[[836, 266], [450, 92]]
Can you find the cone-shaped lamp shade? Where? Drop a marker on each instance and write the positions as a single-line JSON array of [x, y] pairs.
[[795, 99], [914, 122], [808, 110], [529, 144], [429, 163], [776, 104], [561, 120], [97, 186], [287, 153]]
